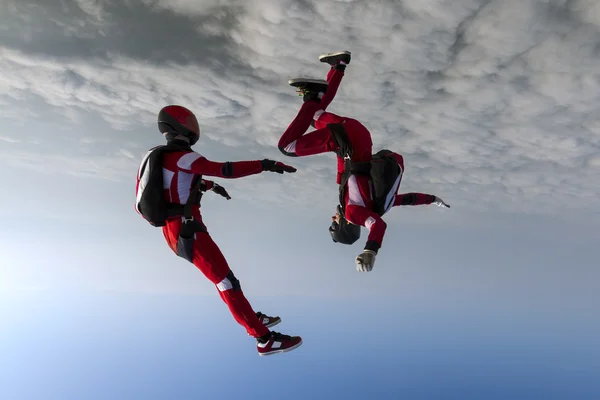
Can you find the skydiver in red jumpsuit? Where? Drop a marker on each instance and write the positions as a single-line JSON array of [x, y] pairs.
[[358, 204], [190, 239]]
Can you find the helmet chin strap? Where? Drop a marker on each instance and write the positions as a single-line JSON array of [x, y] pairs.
[[170, 136]]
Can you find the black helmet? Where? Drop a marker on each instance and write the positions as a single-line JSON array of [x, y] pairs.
[[176, 120], [344, 232]]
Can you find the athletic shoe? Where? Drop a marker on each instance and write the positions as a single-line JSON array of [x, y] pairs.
[[334, 58], [278, 343], [266, 320]]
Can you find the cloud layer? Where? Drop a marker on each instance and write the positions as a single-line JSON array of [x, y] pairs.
[[494, 104]]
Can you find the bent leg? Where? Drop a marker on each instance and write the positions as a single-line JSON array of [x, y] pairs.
[[295, 143], [297, 128], [312, 113], [315, 142]]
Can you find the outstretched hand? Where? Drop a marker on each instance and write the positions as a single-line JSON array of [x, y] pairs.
[[276, 166], [365, 261], [440, 203], [220, 190]]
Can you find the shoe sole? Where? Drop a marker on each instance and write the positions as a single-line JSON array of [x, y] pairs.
[[328, 55], [298, 81], [281, 351]]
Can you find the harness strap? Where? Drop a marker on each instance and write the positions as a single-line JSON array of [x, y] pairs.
[[185, 210], [195, 194], [340, 136], [193, 199]]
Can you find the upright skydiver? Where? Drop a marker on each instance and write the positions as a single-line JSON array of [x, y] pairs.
[[368, 183], [168, 191]]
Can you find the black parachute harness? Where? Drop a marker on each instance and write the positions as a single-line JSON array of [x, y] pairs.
[[383, 172], [346, 151], [195, 196], [345, 232], [190, 225], [153, 205]]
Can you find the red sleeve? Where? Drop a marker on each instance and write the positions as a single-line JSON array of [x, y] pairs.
[[413, 199], [340, 170], [197, 164], [374, 223]]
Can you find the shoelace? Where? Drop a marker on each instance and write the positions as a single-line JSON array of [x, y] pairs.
[[279, 336]]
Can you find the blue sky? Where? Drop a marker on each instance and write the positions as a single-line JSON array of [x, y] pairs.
[[494, 106]]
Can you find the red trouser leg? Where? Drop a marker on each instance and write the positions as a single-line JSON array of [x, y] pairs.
[[209, 259], [204, 253], [358, 134], [325, 118], [295, 143], [322, 118], [334, 78]]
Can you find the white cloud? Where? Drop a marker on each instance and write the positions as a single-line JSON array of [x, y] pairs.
[[9, 139], [193, 8], [493, 104], [115, 167]]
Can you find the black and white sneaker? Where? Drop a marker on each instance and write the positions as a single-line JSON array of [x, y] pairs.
[[277, 343], [309, 85], [334, 58], [309, 88], [266, 320]]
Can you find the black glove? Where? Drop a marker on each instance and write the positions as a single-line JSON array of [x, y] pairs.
[[220, 190], [276, 166]]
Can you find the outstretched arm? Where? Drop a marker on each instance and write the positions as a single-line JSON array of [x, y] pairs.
[[197, 164], [418, 199], [375, 225], [413, 199]]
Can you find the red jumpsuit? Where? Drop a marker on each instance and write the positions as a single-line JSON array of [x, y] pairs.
[[358, 200], [180, 169]]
